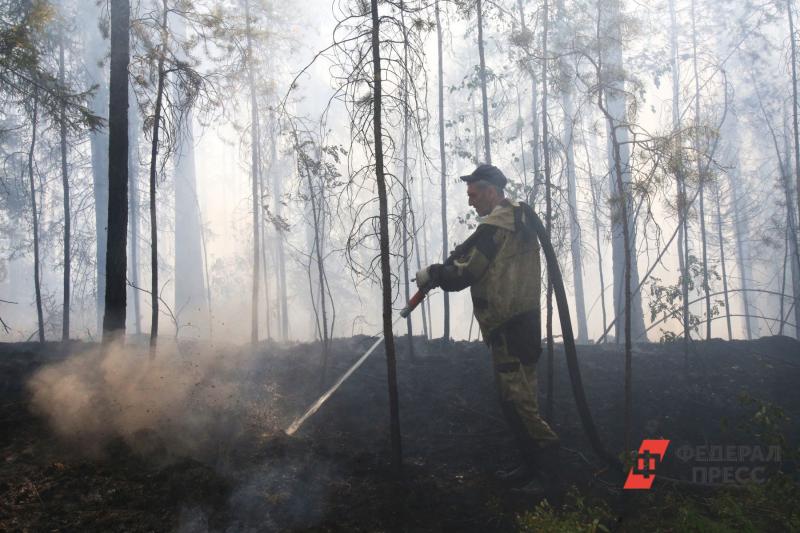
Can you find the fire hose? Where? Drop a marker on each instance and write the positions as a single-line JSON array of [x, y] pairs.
[[569, 348]]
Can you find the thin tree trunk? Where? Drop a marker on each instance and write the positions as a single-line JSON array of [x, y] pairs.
[[574, 224], [741, 251], [680, 193], [520, 127], [153, 175], [786, 185], [406, 194], [622, 203], [65, 187], [782, 295], [264, 269], [133, 202], [414, 230], [722, 263], [548, 213], [190, 293], [534, 117], [628, 418], [701, 174], [616, 118], [442, 164], [254, 175], [596, 217], [116, 260], [487, 140], [796, 132], [386, 275], [95, 50], [317, 215], [35, 216], [793, 246]]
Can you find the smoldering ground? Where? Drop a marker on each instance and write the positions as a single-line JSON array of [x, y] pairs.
[[209, 415], [185, 401]]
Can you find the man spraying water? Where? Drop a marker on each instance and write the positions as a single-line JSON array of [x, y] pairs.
[[500, 263]]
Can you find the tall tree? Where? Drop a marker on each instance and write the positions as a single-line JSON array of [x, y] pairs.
[[35, 217], [65, 187], [404, 216], [383, 216], [680, 182], [134, 123], [95, 50], [158, 110], [701, 172], [487, 140], [442, 162], [190, 294], [566, 75], [526, 41], [255, 174], [549, 410], [613, 83], [115, 296]]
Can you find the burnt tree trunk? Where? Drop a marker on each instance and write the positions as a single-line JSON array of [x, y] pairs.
[[116, 260], [153, 175], [386, 275]]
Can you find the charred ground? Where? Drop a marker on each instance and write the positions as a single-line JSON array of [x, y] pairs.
[[334, 474]]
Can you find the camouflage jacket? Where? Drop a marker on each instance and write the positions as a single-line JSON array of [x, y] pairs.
[[500, 263]]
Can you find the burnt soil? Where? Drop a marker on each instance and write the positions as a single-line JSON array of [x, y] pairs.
[[335, 473]]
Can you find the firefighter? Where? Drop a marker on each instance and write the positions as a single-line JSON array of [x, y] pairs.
[[500, 263]]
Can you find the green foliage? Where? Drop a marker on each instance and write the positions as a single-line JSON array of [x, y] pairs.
[[27, 36], [666, 301], [770, 506], [577, 515], [767, 423]]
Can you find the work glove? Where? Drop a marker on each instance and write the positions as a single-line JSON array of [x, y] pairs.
[[428, 277]]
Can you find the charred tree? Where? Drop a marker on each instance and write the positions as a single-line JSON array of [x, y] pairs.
[[386, 275], [161, 74], [116, 261]]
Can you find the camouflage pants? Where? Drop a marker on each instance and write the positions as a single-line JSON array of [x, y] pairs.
[[514, 358]]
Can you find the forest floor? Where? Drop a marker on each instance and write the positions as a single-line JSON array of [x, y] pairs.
[[78, 456]]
